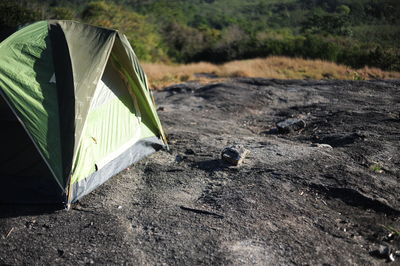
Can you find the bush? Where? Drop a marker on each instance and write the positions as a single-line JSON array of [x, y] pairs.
[[142, 35], [14, 14]]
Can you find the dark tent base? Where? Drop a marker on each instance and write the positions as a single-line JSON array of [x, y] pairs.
[[24, 176], [27, 190]]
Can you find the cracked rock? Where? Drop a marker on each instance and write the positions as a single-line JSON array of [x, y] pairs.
[[290, 125], [234, 155]]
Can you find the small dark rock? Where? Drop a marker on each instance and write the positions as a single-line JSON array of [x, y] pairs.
[[46, 226], [180, 158], [60, 252], [30, 224], [181, 88], [385, 252], [290, 125], [189, 152], [234, 155]]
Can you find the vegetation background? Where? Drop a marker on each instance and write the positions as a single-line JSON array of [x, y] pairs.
[[355, 33]]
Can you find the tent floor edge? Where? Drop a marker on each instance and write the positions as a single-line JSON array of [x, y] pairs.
[[135, 153]]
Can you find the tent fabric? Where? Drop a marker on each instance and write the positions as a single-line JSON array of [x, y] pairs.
[[66, 106], [135, 153], [137, 81], [89, 49], [26, 69], [81, 97], [101, 138]]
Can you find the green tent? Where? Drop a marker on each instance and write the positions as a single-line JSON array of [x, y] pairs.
[[75, 109]]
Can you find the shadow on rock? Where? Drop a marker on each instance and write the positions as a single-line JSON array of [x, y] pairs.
[[16, 210], [338, 140], [354, 198], [211, 165]]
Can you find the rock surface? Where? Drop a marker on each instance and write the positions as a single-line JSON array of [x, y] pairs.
[[289, 204]]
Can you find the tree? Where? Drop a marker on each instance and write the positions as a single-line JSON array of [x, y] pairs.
[[327, 24], [62, 13], [14, 14], [343, 10], [142, 35]]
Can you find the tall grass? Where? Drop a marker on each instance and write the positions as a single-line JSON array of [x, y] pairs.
[[161, 75]]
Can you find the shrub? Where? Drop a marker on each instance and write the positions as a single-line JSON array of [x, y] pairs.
[[142, 35]]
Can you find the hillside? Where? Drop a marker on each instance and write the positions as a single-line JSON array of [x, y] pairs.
[[356, 33]]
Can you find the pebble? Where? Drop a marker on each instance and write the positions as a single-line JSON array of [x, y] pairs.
[[179, 158], [386, 252], [383, 250], [189, 152], [322, 145], [290, 125], [234, 155]]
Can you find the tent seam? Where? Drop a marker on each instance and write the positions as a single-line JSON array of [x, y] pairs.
[[68, 187], [84, 123]]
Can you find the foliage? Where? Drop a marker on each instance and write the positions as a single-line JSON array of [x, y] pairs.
[[353, 32], [376, 168], [392, 230], [14, 14], [62, 13], [336, 24], [143, 37]]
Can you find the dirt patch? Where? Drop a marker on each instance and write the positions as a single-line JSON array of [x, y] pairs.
[[290, 202]]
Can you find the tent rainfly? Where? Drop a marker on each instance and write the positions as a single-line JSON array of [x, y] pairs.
[[75, 109]]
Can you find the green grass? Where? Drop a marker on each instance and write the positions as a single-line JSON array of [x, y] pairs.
[[392, 230], [376, 168]]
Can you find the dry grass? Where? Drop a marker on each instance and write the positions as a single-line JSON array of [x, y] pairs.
[[161, 75]]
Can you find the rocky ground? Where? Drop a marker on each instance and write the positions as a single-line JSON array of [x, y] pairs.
[[293, 200]]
